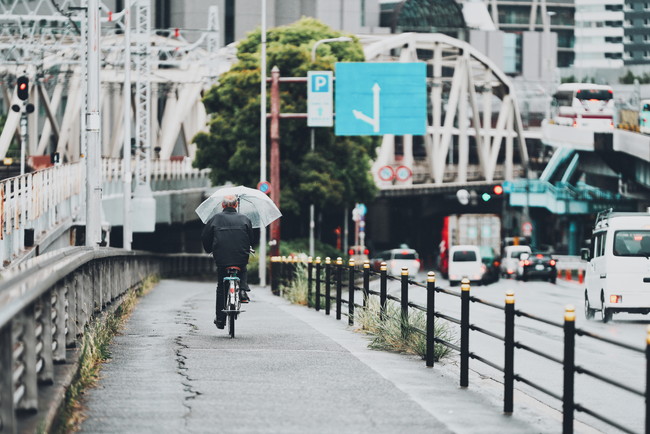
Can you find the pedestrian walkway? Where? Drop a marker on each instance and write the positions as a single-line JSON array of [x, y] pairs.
[[289, 370]]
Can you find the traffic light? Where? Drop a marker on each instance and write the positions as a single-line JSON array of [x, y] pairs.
[[22, 88], [497, 191]]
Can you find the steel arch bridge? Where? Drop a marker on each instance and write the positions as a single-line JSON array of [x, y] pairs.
[[474, 133], [44, 41]]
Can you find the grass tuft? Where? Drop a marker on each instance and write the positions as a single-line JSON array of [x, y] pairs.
[[390, 335], [95, 350], [296, 289]]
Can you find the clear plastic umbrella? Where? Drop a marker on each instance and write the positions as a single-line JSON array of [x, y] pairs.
[[254, 204]]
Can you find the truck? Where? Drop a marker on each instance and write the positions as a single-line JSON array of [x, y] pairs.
[[482, 230]]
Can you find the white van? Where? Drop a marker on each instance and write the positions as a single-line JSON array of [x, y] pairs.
[[618, 274], [465, 262], [510, 259]]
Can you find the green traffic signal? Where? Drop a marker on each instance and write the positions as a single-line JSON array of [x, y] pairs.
[[486, 197]]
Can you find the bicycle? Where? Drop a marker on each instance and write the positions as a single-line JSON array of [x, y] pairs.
[[232, 306]]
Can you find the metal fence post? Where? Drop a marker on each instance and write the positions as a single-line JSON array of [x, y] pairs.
[[7, 411], [339, 289], [647, 383], [328, 284], [404, 301], [366, 282], [318, 280], [310, 267], [568, 406], [351, 293], [275, 275], [509, 358], [464, 333], [431, 315], [383, 293]]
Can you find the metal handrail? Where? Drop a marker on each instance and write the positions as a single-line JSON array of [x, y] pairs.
[[46, 303]]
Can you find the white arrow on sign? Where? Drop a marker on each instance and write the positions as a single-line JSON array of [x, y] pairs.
[[374, 120]]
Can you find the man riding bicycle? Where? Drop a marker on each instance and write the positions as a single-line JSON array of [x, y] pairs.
[[229, 237]]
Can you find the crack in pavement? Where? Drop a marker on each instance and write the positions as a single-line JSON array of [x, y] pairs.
[[184, 318]]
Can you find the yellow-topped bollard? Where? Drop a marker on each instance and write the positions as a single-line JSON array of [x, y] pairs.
[[569, 313], [328, 260], [309, 260], [366, 264], [383, 267], [648, 336], [431, 277], [351, 262], [339, 261], [405, 271], [510, 297], [464, 284], [317, 259]]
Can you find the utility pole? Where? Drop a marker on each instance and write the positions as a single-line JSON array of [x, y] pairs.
[[126, 152], [93, 124], [275, 156], [262, 257]]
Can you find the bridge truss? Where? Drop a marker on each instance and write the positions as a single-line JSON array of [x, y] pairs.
[[474, 133], [44, 40]]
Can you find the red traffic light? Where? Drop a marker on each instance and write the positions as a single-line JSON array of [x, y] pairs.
[[497, 189], [23, 88], [351, 252]]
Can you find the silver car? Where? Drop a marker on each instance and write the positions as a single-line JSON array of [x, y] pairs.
[[395, 259]]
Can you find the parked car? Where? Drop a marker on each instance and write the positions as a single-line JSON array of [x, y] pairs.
[[510, 259], [538, 265], [465, 262], [492, 264], [395, 259]]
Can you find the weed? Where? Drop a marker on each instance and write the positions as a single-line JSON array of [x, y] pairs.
[[393, 333]]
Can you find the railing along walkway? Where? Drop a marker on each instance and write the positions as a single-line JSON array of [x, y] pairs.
[[336, 274], [46, 305]]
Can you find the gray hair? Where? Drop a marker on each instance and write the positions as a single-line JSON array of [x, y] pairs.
[[229, 201]]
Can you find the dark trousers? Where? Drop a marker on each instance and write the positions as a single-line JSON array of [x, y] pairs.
[[221, 288]]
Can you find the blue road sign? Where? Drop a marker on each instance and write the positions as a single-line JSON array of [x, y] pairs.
[[380, 98]]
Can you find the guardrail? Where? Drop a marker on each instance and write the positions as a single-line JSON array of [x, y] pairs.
[[46, 303], [52, 199], [337, 274], [37, 202]]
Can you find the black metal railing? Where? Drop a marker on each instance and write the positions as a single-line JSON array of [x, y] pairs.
[[324, 275]]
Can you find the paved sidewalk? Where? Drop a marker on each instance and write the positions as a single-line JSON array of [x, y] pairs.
[[289, 370]]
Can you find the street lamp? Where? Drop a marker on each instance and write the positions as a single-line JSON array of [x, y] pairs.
[[262, 254], [312, 135]]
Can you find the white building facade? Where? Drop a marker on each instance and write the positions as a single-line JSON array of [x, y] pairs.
[[599, 34]]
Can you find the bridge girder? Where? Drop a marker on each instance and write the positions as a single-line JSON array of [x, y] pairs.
[[43, 42]]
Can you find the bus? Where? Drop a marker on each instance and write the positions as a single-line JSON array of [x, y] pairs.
[[584, 105], [644, 116]]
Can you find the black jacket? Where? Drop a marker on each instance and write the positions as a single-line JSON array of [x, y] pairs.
[[229, 236]]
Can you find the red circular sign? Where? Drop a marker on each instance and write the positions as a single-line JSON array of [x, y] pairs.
[[264, 187], [403, 173], [386, 173]]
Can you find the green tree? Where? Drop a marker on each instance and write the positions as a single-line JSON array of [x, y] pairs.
[[335, 175]]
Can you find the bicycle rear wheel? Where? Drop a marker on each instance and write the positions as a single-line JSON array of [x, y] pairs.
[[231, 322]]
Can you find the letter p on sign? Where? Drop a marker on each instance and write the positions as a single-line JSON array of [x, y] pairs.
[[320, 83]]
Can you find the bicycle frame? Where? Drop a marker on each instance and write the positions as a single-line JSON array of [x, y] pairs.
[[233, 304]]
